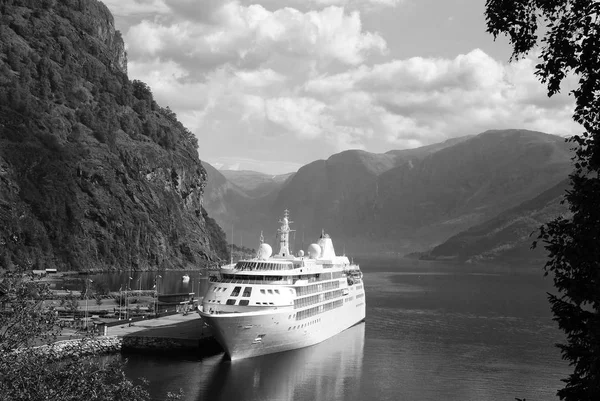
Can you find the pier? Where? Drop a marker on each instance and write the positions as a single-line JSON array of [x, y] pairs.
[[170, 334]]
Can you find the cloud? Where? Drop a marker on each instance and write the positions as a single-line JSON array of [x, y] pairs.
[[206, 11], [273, 167], [303, 116], [136, 7], [248, 36], [350, 4], [432, 98], [254, 81], [355, 3]]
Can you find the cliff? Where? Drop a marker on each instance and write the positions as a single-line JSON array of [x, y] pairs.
[[94, 174]]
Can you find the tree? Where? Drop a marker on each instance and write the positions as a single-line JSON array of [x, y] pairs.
[[28, 373], [569, 34]]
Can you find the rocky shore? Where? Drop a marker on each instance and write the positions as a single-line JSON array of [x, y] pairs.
[[77, 348]]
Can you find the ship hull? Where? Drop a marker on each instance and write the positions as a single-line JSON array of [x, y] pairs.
[[245, 335]]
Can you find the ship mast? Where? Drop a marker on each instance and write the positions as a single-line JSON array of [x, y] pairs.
[[284, 235]]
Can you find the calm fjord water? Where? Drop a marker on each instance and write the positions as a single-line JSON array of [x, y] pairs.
[[433, 331]]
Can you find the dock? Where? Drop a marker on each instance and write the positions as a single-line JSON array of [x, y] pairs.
[[171, 334]]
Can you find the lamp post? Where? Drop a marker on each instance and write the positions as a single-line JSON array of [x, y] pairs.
[[120, 300], [156, 300], [86, 301], [127, 297]]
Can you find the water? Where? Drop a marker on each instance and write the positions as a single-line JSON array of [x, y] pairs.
[[167, 281], [433, 332]]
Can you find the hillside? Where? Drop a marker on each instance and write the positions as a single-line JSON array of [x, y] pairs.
[[404, 155], [408, 200], [508, 236], [255, 184], [324, 194], [466, 184], [94, 174]]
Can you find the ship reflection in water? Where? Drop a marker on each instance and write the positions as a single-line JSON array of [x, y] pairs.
[[330, 370]]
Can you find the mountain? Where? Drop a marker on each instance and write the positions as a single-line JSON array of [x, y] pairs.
[[404, 155], [324, 193], [463, 185], [409, 200], [223, 199], [508, 236], [255, 184], [94, 174], [313, 195]]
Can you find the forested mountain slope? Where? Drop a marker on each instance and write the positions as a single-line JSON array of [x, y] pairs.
[[94, 174], [508, 236]]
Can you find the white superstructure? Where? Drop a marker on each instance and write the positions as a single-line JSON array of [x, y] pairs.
[[277, 303]]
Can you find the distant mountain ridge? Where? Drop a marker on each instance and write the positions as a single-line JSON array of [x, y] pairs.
[[467, 183], [253, 183], [408, 200]]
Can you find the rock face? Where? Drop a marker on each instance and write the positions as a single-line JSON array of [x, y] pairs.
[[93, 173]]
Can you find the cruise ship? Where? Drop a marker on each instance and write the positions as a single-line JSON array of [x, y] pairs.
[[274, 303]]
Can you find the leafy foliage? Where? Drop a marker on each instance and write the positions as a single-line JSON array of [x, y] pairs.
[[24, 320], [570, 31], [28, 372]]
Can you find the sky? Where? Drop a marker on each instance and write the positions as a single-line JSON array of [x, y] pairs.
[[271, 85]]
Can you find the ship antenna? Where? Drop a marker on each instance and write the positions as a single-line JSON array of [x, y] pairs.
[[262, 241], [284, 231], [293, 242], [231, 253]]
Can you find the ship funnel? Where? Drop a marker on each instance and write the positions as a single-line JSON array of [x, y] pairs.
[[327, 247]]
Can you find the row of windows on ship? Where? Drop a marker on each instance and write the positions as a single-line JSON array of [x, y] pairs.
[[251, 279], [300, 291], [316, 311], [263, 266], [298, 303], [248, 291], [274, 265]]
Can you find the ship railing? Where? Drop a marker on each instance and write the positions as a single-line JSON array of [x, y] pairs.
[[238, 281], [351, 268]]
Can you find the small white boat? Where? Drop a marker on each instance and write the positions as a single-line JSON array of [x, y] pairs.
[[185, 278]]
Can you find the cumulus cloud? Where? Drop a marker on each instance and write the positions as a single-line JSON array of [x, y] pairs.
[[136, 7], [434, 98], [367, 4], [248, 36], [303, 116], [259, 81]]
